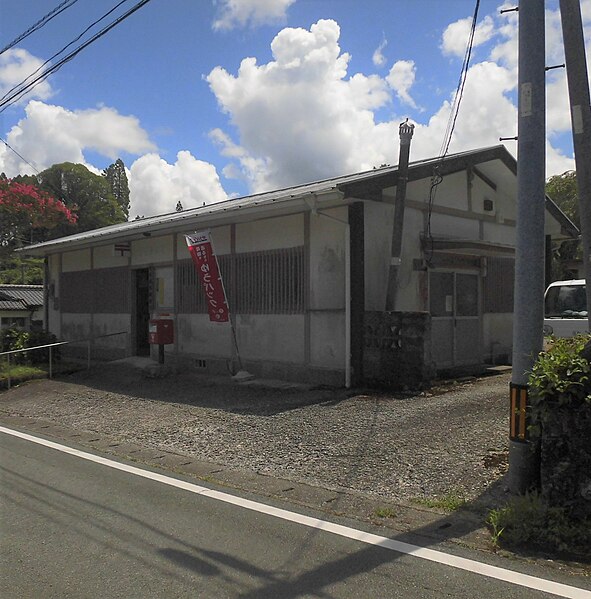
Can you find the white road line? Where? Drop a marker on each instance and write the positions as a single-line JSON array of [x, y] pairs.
[[525, 580]]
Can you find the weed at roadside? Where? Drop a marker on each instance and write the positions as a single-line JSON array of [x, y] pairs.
[[450, 502], [528, 521]]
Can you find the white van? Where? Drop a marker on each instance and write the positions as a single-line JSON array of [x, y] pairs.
[[565, 308]]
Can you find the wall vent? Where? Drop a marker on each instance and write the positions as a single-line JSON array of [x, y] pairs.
[[201, 363]]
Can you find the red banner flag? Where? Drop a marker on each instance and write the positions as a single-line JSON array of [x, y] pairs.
[[206, 264]]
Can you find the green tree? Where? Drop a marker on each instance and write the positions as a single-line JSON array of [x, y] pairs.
[[90, 194], [117, 177], [563, 190]]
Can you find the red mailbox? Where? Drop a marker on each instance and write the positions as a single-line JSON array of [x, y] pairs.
[[161, 331]]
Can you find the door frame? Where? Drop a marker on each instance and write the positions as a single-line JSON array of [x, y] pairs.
[[455, 362]]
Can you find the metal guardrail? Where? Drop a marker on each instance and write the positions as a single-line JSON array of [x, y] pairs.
[[51, 346]]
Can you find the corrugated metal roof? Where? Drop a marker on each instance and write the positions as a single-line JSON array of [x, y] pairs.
[[26, 296], [283, 198]]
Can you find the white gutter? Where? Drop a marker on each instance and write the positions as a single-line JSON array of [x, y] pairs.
[[314, 211]]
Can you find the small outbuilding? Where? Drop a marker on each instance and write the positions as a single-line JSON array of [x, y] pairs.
[[21, 306], [307, 272]]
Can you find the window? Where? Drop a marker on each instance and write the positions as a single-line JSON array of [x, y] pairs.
[[268, 282]]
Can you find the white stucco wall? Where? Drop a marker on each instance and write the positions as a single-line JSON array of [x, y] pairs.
[[497, 233], [454, 227], [272, 337], [327, 340], [53, 323], [497, 335], [220, 237], [152, 250], [112, 323], [78, 260], [327, 261], [199, 337], [75, 326], [270, 234], [104, 256]]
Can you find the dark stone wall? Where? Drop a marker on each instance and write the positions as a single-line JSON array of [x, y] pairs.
[[397, 350], [565, 468]]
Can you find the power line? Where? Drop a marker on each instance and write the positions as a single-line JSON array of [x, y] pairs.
[[437, 178], [455, 109], [39, 24], [16, 95], [24, 82], [19, 155]]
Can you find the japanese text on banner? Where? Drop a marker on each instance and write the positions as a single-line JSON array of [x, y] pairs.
[[207, 267]]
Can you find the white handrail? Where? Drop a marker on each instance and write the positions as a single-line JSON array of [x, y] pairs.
[[51, 345]]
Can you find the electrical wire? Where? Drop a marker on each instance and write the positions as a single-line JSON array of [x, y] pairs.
[[455, 109], [19, 155], [437, 178], [24, 82], [39, 24], [16, 95]]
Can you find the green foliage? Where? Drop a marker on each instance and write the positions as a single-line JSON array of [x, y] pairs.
[[450, 502], [13, 339], [385, 512], [560, 377], [18, 270], [528, 521], [117, 178], [563, 190], [91, 194]]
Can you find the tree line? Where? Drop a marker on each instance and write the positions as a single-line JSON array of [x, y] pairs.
[[62, 200]]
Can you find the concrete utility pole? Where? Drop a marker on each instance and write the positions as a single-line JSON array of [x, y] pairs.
[[528, 317], [580, 112], [405, 131]]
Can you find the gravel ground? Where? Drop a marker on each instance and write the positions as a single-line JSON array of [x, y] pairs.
[[450, 440]]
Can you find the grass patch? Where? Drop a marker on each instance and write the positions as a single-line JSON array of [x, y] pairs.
[[385, 512], [450, 502], [21, 372], [528, 521]]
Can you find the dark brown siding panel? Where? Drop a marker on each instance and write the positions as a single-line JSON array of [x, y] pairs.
[[76, 292], [111, 291], [498, 285], [102, 291]]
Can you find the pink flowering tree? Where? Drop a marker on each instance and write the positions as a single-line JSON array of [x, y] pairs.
[[27, 213]]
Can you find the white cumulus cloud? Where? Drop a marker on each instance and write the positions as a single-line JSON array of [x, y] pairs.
[[16, 65], [378, 57], [240, 13], [401, 78], [50, 134], [156, 186], [298, 116], [455, 36]]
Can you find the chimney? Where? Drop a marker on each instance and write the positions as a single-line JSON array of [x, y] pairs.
[[405, 131]]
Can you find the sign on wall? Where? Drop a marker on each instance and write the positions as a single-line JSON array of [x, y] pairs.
[[206, 263]]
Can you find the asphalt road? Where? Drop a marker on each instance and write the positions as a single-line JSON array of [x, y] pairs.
[[73, 528]]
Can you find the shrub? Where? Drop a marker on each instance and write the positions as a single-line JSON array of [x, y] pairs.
[[561, 377], [13, 339], [528, 521]]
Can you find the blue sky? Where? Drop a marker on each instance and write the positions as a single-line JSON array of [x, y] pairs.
[[205, 100]]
